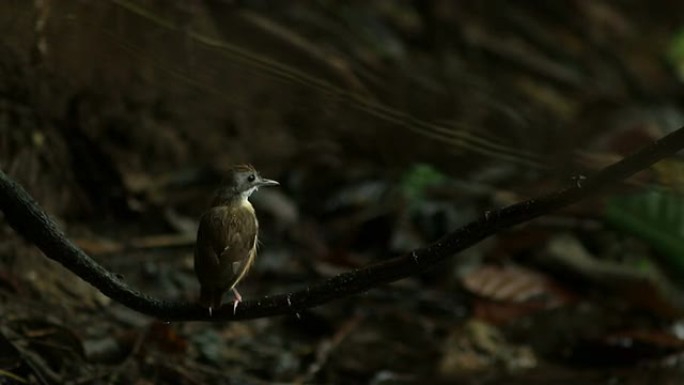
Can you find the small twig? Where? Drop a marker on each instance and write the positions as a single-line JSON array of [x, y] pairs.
[[163, 241], [326, 347], [12, 376], [224, 372], [34, 361], [179, 370], [30, 221], [116, 372]]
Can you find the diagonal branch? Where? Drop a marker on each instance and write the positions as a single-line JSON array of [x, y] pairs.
[[30, 221]]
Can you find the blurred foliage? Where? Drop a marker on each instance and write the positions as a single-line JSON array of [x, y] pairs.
[[419, 178], [657, 216], [675, 52]]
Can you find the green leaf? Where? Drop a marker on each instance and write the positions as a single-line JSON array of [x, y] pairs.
[[417, 179], [675, 52], [657, 217]]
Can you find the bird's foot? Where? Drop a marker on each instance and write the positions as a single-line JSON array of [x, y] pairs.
[[238, 299]]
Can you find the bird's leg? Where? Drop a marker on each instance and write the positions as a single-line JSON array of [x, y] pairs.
[[238, 299]]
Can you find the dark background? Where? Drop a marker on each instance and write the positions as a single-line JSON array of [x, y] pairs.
[[388, 124]]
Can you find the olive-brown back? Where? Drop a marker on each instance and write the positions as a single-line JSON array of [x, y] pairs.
[[226, 246]]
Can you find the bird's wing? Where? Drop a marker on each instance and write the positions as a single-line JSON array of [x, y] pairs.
[[205, 244], [240, 236], [225, 245]]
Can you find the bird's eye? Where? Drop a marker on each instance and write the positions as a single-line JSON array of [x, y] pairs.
[[251, 178]]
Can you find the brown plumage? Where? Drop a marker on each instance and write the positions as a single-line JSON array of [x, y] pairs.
[[227, 237]]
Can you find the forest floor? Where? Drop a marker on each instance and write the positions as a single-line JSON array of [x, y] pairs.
[[388, 125]]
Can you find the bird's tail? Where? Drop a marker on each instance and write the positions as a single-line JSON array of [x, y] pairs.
[[210, 297]]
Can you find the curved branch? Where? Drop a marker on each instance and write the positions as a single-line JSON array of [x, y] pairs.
[[30, 221]]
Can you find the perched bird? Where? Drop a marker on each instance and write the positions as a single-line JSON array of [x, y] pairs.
[[227, 237]]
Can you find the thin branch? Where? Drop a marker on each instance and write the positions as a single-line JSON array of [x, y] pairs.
[[30, 221]]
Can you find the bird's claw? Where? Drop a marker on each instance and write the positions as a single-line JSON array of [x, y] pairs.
[[238, 299]]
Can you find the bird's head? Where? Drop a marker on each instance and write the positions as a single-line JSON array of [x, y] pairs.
[[241, 182]]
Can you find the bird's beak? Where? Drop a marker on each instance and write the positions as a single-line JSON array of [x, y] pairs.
[[267, 182]]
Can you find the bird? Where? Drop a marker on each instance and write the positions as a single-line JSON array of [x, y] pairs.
[[227, 237]]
